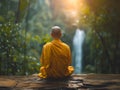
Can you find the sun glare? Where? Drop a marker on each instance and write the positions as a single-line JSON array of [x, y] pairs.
[[71, 9], [70, 4]]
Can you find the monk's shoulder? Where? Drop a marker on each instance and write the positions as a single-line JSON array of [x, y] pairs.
[[48, 44], [65, 45]]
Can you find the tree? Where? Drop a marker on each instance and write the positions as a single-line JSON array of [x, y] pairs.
[[12, 42], [102, 17]]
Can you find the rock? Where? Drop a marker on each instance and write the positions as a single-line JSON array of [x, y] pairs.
[[7, 82], [76, 82]]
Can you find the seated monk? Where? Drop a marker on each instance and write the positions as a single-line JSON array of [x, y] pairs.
[[55, 58]]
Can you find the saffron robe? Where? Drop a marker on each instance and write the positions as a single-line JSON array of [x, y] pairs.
[[55, 60]]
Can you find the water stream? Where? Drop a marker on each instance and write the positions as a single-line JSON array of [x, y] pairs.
[[77, 50]]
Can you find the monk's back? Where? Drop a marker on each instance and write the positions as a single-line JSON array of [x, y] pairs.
[[59, 59], [56, 57]]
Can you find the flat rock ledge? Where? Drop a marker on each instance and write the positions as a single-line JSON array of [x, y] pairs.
[[75, 82]]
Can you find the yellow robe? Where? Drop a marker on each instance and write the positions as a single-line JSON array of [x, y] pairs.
[[55, 60]]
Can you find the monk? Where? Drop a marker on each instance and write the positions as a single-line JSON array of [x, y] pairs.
[[56, 57]]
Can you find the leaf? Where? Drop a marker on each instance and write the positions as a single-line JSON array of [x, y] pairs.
[[2, 19]]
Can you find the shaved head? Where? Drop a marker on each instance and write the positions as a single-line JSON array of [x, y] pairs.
[[56, 32]]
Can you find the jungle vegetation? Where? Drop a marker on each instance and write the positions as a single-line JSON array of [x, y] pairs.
[[25, 27]]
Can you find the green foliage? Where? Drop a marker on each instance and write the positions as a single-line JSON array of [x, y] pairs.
[[14, 59], [103, 23], [10, 47], [13, 56]]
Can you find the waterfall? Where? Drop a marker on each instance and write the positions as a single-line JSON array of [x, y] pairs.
[[77, 50]]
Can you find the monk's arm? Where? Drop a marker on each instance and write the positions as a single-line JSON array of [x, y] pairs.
[[42, 58], [69, 57], [45, 56]]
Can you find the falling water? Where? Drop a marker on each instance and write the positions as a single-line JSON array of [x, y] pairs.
[[77, 50]]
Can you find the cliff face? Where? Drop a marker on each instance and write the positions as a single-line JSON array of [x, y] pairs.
[[75, 82]]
